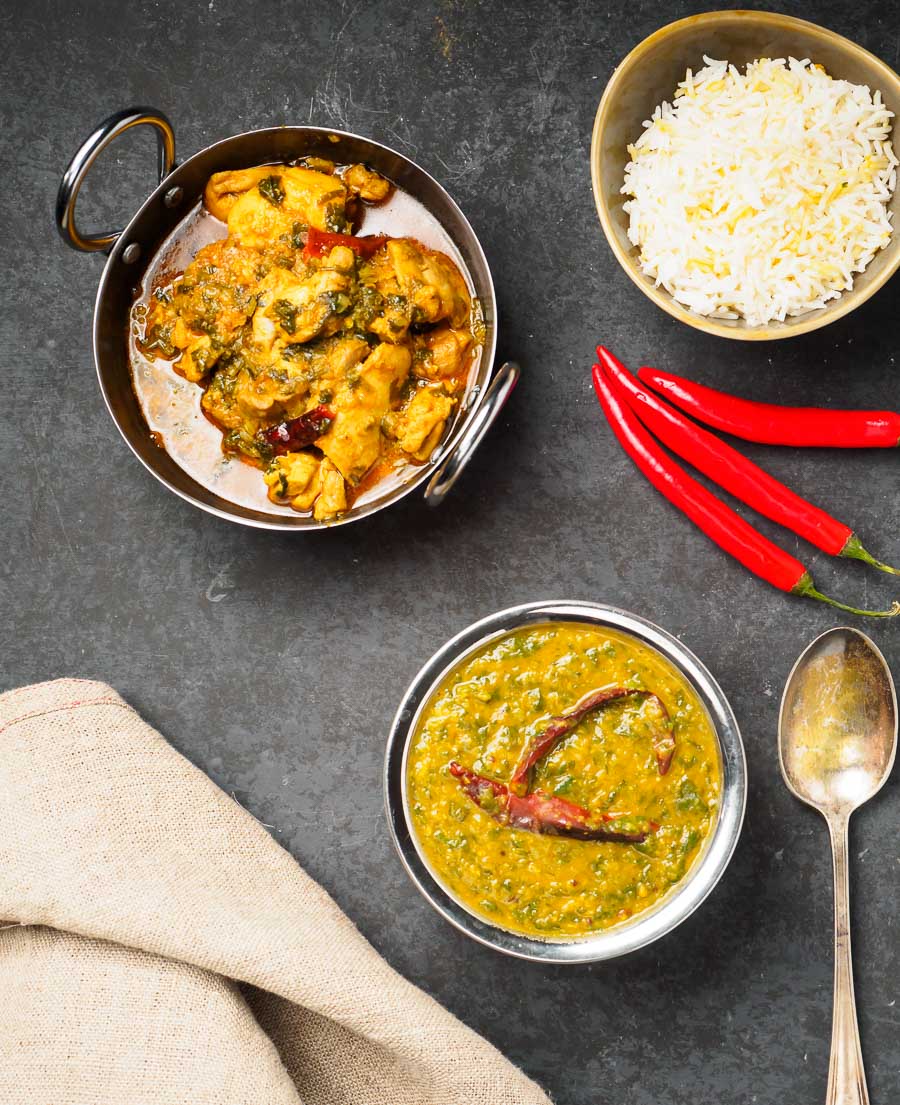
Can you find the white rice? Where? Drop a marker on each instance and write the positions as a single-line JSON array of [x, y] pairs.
[[760, 194]]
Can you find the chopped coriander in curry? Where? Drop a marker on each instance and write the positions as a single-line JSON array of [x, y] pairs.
[[610, 818], [326, 358]]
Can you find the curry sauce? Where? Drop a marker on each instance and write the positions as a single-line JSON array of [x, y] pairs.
[[482, 716]]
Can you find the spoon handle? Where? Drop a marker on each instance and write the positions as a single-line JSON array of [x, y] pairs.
[[846, 1074]]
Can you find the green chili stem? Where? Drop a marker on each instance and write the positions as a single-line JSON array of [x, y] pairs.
[[805, 586], [855, 551]]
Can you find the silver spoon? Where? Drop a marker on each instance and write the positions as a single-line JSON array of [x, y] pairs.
[[837, 738]]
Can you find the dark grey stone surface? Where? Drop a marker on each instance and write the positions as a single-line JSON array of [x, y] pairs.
[[275, 662]]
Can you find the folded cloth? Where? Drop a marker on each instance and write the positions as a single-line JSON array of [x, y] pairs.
[[158, 946]]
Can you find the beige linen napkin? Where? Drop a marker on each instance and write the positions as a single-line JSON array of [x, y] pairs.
[[162, 948]]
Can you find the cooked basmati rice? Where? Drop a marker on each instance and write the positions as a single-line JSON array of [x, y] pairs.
[[760, 194]]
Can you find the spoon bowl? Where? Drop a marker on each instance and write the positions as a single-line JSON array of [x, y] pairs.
[[837, 732], [837, 740]]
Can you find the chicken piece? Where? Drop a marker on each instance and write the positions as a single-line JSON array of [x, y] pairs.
[[340, 259], [252, 390], [273, 390], [421, 424], [390, 314], [217, 400], [224, 189], [283, 383], [393, 322], [251, 385], [378, 273], [353, 443], [332, 362], [332, 498], [290, 377], [400, 274], [294, 476], [367, 184], [196, 358], [297, 309], [218, 403], [441, 354], [430, 281], [265, 329], [265, 202], [204, 310]]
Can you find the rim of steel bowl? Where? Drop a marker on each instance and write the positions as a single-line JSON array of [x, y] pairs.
[[179, 189], [674, 907]]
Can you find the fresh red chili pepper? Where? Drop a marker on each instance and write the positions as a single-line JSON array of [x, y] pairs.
[[321, 242], [542, 743], [717, 520], [297, 433], [774, 425], [543, 813], [734, 472]]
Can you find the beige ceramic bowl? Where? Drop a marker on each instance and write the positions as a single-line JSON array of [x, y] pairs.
[[650, 74]]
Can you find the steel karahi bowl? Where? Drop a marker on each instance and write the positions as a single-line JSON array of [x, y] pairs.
[[178, 192], [651, 73], [645, 927]]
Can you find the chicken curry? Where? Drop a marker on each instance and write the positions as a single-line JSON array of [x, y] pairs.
[[562, 780], [327, 358]]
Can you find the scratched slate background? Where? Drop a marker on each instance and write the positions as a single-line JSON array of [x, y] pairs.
[[275, 662]]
